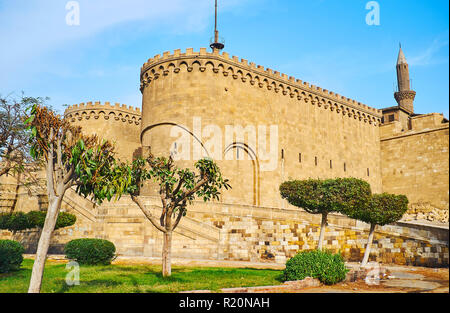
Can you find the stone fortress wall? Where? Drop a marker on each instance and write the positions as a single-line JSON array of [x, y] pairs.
[[219, 231], [118, 123], [320, 133], [415, 162]]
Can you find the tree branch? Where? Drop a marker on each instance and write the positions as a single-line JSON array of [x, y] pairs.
[[187, 194], [50, 183], [180, 215], [180, 183], [147, 213]]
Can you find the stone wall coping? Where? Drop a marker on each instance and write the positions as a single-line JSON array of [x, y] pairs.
[[413, 132], [90, 106], [422, 224]]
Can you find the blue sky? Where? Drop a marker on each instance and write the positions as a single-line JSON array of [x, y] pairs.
[[324, 42]]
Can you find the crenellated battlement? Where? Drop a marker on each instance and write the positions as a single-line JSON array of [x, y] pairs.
[[255, 75], [106, 110]]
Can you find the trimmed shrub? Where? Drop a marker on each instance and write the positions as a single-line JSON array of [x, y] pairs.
[[64, 220], [327, 267], [15, 221], [4, 220], [317, 196], [90, 251], [18, 221], [10, 255], [382, 209], [37, 218]]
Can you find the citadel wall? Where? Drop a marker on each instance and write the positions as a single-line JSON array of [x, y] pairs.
[[118, 123], [320, 134], [415, 162], [242, 232]]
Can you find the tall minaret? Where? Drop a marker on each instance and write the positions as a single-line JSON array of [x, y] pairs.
[[404, 96]]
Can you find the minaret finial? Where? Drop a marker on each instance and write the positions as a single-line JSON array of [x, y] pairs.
[[215, 43]]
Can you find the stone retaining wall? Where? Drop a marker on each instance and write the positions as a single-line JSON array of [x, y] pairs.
[[247, 233]]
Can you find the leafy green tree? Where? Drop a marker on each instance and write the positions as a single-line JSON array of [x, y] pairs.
[[15, 157], [382, 209], [177, 188], [318, 196], [71, 159]]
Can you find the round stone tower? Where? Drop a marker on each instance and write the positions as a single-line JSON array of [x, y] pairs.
[[260, 126], [117, 123]]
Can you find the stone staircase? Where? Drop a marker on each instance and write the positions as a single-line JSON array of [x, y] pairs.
[[189, 227]]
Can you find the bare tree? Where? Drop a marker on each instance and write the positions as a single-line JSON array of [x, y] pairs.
[[14, 138]]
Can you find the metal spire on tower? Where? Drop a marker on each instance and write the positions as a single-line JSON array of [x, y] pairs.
[[216, 43]]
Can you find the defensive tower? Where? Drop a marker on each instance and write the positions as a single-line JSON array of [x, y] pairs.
[[404, 96], [118, 123]]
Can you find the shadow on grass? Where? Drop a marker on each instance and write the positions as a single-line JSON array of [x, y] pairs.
[[280, 278], [107, 268], [96, 283], [167, 280], [19, 273]]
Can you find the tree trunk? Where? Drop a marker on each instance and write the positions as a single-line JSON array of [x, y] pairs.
[[322, 230], [369, 244], [167, 254], [43, 245]]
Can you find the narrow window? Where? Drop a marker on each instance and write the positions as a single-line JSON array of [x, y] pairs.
[[368, 172], [237, 154], [345, 167], [331, 163], [282, 154], [315, 160], [300, 158]]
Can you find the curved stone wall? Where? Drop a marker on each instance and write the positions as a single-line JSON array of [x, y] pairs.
[[118, 123], [320, 133]]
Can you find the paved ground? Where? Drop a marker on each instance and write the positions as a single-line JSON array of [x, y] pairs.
[[398, 279]]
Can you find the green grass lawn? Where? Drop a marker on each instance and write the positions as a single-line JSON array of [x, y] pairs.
[[138, 278]]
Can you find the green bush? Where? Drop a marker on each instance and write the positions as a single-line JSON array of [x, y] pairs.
[[36, 218], [18, 221], [10, 255], [382, 209], [64, 220], [317, 196], [327, 267], [90, 251], [4, 220], [14, 221]]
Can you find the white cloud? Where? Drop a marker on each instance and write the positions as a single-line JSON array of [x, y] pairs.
[[30, 28], [428, 57]]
